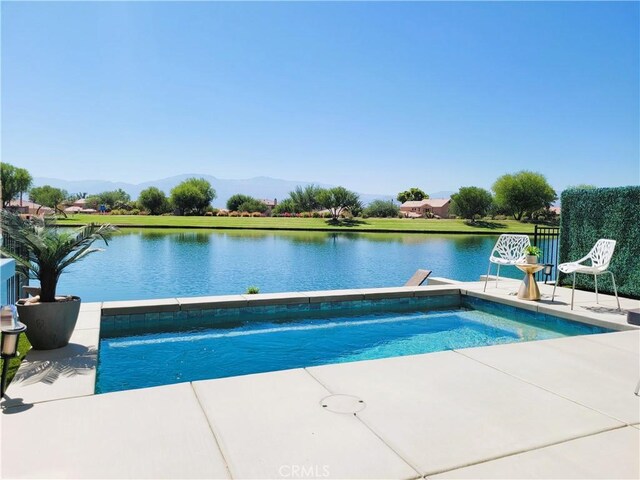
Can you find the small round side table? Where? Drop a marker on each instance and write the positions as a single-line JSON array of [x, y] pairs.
[[529, 289]]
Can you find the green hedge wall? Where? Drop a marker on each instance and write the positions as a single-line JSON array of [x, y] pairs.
[[588, 215]]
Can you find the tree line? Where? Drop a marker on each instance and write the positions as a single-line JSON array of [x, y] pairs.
[[190, 197], [523, 194]]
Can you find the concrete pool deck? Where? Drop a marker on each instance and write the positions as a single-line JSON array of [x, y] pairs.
[[546, 409]]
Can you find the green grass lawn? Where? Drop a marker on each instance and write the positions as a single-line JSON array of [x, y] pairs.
[[23, 347], [283, 223]]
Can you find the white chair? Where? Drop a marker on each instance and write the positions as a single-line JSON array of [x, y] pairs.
[[600, 257], [508, 250]]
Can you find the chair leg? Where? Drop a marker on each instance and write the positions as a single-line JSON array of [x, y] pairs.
[[637, 388], [486, 279], [595, 278], [497, 275], [553, 295], [615, 289], [573, 289]]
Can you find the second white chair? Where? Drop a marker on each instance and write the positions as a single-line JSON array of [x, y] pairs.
[[600, 257]]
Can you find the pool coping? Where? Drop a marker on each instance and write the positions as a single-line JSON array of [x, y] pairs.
[[71, 371], [131, 307]]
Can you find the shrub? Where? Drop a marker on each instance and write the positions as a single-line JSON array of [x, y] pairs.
[[154, 200], [382, 209], [285, 206], [522, 193], [208, 214], [252, 290], [134, 211], [240, 203], [588, 215], [245, 214], [316, 215], [222, 213], [256, 214], [401, 215], [338, 200], [327, 215], [234, 214], [192, 196], [471, 202], [305, 215]]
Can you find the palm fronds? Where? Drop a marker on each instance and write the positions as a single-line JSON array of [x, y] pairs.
[[41, 250]]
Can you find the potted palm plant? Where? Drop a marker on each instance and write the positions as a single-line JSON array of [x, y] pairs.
[[42, 251], [532, 253]]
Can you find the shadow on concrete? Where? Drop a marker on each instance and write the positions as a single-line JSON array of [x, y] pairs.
[[79, 360]]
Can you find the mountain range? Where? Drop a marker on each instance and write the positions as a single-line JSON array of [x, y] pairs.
[[259, 187]]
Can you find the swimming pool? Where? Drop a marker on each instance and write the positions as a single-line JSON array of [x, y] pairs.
[[261, 339]]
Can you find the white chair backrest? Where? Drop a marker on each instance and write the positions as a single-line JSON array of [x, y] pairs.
[[511, 247], [601, 253]]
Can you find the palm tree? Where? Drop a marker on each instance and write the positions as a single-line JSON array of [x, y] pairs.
[[42, 251]]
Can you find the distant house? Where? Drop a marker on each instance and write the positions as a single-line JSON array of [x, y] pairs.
[[555, 210], [28, 208], [270, 203], [436, 206]]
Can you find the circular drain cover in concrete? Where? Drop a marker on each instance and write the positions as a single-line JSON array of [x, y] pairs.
[[340, 403]]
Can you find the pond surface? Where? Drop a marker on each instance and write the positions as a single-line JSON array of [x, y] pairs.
[[161, 263]]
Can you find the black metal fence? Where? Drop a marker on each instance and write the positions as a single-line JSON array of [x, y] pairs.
[[547, 240], [12, 289], [15, 283]]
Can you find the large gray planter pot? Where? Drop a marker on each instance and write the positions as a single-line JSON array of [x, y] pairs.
[[49, 325]]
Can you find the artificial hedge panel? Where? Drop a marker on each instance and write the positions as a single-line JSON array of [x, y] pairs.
[[588, 215]]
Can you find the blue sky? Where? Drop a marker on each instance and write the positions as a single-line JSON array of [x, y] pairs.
[[374, 96]]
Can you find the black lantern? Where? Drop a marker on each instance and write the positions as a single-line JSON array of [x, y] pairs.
[[548, 270], [9, 348]]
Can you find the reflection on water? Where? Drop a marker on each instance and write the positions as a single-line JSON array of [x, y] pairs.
[[158, 263], [469, 241], [190, 237]]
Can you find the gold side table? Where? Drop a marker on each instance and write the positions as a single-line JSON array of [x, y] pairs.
[[529, 289]]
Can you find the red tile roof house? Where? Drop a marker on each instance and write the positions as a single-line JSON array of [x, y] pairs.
[[27, 207], [437, 206]]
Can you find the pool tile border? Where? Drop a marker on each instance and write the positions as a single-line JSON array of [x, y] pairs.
[[556, 310], [210, 312], [140, 306], [212, 302]]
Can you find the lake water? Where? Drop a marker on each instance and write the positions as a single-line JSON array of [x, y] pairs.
[[151, 263]]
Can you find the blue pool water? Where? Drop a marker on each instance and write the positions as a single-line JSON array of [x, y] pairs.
[[250, 345]]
